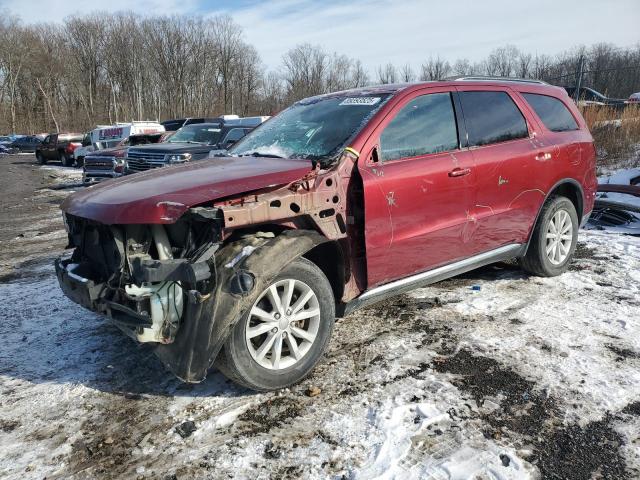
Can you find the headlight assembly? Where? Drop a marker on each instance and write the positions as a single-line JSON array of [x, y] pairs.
[[178, 158]]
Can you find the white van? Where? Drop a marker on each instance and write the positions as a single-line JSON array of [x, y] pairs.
[[109, 136]]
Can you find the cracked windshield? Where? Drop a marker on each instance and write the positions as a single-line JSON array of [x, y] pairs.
[[314, 129]]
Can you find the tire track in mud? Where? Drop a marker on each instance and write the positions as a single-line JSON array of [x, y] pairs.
[[112, 437], [529, 417]]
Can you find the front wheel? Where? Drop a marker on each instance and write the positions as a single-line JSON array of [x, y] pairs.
[[554, 239], [40, 159], [284, 333]]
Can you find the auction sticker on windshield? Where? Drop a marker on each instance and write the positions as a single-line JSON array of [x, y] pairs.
[[360, 101]]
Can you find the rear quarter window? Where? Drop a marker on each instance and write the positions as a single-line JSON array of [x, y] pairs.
[[492, 117], [553, 112]]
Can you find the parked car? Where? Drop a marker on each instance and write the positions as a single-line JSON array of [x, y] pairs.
[[590, 97], [5, 140], [191, 142], [338, 202], [109, 163], [634, 98], [110, 136], [59, 147], [6, 149], [28, 143]]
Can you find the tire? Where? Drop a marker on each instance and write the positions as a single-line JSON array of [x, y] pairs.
[[40, 159], [80, 162], [556, 211], [66, 159], [238, 360]]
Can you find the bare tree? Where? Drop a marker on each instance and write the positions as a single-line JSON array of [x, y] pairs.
[[387, 74], [435, 69], [12, 58], [406, 73]]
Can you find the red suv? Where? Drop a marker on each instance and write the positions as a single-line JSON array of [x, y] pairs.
[[344, 199]]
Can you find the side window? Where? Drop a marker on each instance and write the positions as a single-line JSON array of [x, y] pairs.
[[427, 124], [553, 113], [47, 139], [492, 117]]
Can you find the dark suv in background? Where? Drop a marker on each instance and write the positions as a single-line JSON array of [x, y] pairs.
[[189, 143], [176, 124]]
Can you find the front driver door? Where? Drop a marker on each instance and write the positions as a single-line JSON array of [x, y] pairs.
[[418, 185]]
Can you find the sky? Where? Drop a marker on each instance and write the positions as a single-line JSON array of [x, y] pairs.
[[382, 31]]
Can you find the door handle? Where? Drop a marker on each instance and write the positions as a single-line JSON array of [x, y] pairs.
[[541, 157], [459, 172]]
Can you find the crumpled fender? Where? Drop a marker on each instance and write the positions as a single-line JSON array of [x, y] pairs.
[[202, 334]]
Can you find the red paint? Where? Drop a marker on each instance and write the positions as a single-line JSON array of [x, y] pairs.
[[454, 217], [163, 195]]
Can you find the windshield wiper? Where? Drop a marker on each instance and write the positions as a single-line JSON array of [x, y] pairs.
[[258, 154]]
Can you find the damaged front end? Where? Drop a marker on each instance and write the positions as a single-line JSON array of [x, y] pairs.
[[140, 276], [175, 286]]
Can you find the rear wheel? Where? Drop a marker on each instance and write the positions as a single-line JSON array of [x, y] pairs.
[[554, 239], [80, 162], [284, 333], [67, 160]]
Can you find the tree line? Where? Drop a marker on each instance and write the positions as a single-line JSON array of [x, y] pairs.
[[104, 68]]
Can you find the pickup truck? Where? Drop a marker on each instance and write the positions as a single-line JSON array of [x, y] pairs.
[[109, 163], [59, 147]]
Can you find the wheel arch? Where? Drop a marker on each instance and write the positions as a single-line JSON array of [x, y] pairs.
[[329, 258], [566, 187]]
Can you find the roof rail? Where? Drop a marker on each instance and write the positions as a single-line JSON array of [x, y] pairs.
[[472, 78]]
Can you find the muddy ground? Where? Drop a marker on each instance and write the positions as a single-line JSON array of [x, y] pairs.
[[492, 375]]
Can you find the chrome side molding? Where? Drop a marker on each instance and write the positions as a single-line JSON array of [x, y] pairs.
[[432, 276]]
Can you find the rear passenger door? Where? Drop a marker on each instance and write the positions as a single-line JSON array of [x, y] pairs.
[[418, 189], [502, 141]]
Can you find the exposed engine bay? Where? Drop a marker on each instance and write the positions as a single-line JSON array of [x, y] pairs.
[[141, 275]]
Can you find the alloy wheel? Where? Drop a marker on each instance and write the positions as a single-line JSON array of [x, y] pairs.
[[283, 324], [559, 237]]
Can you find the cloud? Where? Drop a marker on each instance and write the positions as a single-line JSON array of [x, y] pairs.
[[381, 31], [410, 31]]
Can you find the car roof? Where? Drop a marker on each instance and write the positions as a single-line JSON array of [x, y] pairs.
[[205, 125], [513, 83]]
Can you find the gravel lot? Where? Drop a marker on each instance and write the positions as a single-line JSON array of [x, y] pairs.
[[491, 375]]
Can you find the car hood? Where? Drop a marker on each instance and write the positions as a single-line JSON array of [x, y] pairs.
[[177, 147], [163, 195], [107, 152]]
